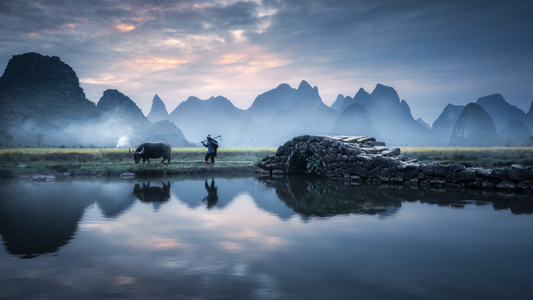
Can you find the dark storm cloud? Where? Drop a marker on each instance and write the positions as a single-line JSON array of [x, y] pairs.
[[399, 30]]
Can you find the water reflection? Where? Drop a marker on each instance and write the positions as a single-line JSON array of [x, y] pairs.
[[286, 238], [320, 198], [152, 194], [113, 198], [38, 219], [212, 196]]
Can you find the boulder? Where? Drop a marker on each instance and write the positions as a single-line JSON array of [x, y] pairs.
[[518, 173]]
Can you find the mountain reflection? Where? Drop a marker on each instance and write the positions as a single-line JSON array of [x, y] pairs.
[[40, 219], [114, 198]]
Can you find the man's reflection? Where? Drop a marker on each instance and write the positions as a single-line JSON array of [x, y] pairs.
[[212, 196]]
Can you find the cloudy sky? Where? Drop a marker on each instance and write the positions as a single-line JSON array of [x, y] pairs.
[[433, 52]]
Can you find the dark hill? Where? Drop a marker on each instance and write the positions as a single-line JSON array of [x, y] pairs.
[[115, 104], [39, 97], [474, 128]]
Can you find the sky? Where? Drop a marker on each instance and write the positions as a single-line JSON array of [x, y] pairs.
[[433, 52]]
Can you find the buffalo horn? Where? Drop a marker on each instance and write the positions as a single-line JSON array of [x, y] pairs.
[[130, 151]]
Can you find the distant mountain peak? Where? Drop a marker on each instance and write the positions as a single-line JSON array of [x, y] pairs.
[[304, 86], [383, 93], [362, 97], [500, 110], [158, 112], [116, 103], [283, 86], [338, 103], [362, 91], [308, 96], [494, 98]]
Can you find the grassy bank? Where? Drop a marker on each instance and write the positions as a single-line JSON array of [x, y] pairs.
[[113, 162], [91, 161], [473, 157]]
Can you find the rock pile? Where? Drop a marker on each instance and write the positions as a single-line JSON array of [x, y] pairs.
[[363, 159]]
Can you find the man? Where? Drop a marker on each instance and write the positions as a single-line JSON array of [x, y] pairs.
[[212, 146]]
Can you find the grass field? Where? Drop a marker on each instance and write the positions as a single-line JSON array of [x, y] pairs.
[[473, 157], [98, 161]]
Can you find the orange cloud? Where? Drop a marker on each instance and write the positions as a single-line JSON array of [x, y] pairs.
[[102, 79], [125, 27], [232, 58], [155, 63]]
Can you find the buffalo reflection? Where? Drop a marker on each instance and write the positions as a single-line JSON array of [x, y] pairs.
[[320, 198], [212, 195], [152, 194]]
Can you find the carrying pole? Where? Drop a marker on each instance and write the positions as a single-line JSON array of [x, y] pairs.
[[216, 137]]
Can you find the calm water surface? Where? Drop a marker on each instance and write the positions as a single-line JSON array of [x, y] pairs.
[[247, 238]]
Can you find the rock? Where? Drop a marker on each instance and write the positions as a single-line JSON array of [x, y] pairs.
[[506, 185], [363, 159], [483, 173], [278, 172], [391, 152], [525, 185], [127, 175], [280, 151], [464, 175], [262, 172], [42, 178], [363, 140], [488, 185], [452, 186], [499, 173], [518, 173]]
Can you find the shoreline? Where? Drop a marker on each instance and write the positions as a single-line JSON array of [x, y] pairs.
[[105, 169]]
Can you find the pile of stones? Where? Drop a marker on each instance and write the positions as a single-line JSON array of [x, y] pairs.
[[359, 159]]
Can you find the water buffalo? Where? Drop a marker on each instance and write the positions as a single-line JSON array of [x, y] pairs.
[[152, 150]]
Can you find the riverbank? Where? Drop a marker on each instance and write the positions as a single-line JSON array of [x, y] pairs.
[[114, 162], [189, 161]]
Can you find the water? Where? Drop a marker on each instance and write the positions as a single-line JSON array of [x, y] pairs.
[[245, 238]]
